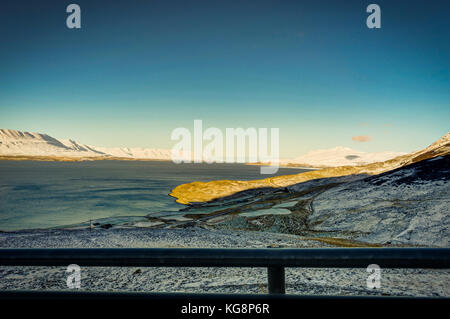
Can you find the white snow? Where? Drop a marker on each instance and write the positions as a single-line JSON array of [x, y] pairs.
[[414, 213], [17, 143], [342, 156]]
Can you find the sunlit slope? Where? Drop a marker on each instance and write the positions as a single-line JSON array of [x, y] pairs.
[[206, 191]]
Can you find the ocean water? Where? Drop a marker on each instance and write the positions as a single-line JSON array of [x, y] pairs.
[[53, 194]]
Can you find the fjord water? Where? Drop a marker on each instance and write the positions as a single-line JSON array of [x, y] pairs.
[[51, 194]]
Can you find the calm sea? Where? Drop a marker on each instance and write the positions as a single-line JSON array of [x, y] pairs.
[[52, 194]]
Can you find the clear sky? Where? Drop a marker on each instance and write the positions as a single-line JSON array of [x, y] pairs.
[[138, 69]]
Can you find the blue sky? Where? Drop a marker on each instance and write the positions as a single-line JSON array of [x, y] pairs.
[[138, 69]]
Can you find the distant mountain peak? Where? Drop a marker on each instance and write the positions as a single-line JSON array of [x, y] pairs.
[[342, 156], [18, 143], [343, 148]]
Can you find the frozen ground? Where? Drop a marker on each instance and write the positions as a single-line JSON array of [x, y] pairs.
[[218, 280]]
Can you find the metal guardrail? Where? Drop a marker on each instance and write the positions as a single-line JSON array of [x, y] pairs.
[[274, 259]]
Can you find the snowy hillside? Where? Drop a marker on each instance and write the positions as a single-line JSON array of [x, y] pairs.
[[408, 205], [342, 156], [17, 143]]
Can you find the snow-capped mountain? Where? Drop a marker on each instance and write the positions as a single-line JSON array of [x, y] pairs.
[[17, 143], [342, 156], [136, 152]]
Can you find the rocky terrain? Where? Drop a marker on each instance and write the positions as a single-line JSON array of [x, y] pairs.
[[409, 205]]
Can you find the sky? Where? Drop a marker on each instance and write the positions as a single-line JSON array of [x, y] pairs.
[[136, 70]]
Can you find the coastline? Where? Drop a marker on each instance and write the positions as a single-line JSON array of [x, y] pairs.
[[74, 159], [289, 165]]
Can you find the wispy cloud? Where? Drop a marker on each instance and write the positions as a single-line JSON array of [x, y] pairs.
[[361, 138]]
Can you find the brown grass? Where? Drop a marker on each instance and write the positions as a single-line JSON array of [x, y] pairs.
[[341, 242]]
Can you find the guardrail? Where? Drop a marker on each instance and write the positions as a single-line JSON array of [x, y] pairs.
[[274, 259]]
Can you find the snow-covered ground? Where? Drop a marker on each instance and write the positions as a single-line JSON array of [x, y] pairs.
[[418, 282]]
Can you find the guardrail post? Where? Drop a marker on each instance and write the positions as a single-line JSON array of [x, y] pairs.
[[276, 281]]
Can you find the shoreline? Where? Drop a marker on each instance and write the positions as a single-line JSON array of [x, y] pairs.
[[289, 165], [105, 187], [39, 158]]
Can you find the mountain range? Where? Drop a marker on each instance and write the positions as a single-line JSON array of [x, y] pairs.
[[27, 144], [17, 143]]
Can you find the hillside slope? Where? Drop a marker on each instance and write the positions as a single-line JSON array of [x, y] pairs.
[[15, 143], [409, 205], [206, 191]]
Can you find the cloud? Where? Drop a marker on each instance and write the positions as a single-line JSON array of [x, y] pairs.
[[361, 138]]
